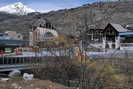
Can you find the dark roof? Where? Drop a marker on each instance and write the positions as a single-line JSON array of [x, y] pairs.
[[118, 27]]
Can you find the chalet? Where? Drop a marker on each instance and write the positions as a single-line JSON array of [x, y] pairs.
[[114, 35]]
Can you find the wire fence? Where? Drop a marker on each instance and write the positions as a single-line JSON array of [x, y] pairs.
[[63, 67]]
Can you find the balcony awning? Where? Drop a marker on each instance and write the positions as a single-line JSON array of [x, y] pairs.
[[125, 33], [4, 42]]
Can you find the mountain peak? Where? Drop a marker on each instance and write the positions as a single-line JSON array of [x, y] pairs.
[[17, 8], [19, 4]]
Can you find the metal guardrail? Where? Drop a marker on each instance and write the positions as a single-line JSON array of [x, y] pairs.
[[17, 60], [126, 44], [10, 62], [20, 63], [4, 68]]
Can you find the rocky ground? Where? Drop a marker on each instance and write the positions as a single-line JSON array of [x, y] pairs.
[[33, 84]]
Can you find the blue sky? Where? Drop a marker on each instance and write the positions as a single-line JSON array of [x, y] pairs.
[[48, 5]]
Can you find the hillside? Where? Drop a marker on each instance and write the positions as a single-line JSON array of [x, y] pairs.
[[70, 21]]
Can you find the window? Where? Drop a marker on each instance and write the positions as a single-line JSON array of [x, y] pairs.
[[48, 34], [19, 36]]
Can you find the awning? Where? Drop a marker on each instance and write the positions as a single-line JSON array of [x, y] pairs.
[[12, 42], [125, 33]]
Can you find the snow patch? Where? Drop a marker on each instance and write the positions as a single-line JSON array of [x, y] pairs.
[[17, 8]]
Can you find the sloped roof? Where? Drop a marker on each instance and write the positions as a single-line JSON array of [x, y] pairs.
[[119, 28]]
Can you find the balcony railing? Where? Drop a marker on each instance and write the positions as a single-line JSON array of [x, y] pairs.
[[126, 44]]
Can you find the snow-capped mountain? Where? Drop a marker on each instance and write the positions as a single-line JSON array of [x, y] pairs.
[[17, 8]]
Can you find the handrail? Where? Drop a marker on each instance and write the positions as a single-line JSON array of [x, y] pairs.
[[126, 44]]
